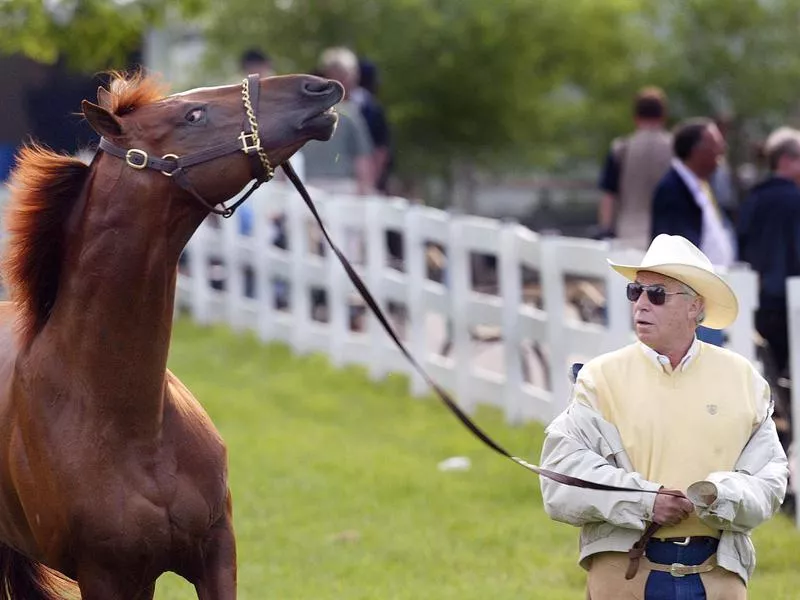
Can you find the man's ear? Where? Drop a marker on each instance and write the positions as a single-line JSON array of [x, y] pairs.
[[101, 120], [698, 307]]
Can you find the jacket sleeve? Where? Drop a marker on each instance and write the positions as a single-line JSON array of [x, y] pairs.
[[580, 443], [740, 500], [661, 215]]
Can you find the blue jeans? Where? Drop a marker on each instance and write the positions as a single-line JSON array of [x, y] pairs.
[[663, 586]]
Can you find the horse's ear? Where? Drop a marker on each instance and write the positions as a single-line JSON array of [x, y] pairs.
[[104, 97], [101, 120]]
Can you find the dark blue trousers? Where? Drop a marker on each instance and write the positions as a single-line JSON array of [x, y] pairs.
[[663, 586]]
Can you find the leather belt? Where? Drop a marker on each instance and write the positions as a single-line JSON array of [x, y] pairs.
[[681, 570]]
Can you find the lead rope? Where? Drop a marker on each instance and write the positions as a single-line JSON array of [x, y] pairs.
[[443, 395]]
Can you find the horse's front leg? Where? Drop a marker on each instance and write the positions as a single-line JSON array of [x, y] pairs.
[[217, 577]]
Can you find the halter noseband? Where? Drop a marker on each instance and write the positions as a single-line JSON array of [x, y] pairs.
[[172, 165]]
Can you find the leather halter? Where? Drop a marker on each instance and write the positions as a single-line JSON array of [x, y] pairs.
[[172, 165]]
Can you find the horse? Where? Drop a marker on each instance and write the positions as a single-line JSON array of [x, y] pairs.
[[111, 472]]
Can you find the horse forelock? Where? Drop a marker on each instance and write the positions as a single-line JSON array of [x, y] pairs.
[[44, 188], [132, 91]]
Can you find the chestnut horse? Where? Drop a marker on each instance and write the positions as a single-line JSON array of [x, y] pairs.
[[111, 473]]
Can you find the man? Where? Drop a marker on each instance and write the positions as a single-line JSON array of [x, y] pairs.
[[769, 238], [669, 413], [344, 163], [684, 204], [632, 169], [365, 96]]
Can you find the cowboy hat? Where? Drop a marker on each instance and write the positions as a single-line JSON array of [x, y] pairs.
[[676, 257]]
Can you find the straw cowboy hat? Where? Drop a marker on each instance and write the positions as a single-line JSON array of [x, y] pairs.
[[676, 257]]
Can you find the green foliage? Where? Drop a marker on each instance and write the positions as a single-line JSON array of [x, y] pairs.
[[337, 495], [90, 34], [738, 58], [499, 82]]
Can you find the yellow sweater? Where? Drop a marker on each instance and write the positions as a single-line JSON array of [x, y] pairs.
[[677, 426]]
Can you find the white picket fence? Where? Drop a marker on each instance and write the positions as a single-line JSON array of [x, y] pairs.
[[552, 326], [549, 326]]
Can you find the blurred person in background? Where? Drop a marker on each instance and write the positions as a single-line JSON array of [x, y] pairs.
[[365, 95], [633, 167], [254, 60], [684, 203], [769, 238], [343, 164]]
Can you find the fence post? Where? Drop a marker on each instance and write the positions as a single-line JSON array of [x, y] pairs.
[[793, 302], [511, 293], [415, 299], [745, 285], [233, 272], [261, 265], [554, 300], [198, 271], [375, 258], [299, 300], [458, 275], [338, 284]]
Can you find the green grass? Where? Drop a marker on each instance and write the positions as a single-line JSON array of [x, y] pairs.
[[337, 494]]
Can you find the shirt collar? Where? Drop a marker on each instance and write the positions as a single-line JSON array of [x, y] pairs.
[[663, 361], [689, 178]]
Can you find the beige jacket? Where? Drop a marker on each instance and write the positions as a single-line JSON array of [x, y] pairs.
[[579, 442]]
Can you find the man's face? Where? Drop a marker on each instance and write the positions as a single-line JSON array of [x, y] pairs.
[[665, 327], [790, 166], [708, 152]]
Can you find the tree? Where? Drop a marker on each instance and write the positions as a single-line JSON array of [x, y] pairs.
[[733, 58], [90, 34], [490, 84]]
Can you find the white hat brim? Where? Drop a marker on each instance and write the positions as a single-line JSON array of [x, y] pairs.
[[721, 305]]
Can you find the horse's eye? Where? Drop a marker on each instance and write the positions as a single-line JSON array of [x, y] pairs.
[[195, 115]]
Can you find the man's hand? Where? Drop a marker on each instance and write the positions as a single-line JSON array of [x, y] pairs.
[[671, 510]]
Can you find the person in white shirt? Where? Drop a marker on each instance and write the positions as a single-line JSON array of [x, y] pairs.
[[684, 204]]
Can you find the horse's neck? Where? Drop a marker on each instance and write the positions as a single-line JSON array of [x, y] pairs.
[[113, 313]]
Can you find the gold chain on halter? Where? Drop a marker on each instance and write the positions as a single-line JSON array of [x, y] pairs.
[[252, 141]]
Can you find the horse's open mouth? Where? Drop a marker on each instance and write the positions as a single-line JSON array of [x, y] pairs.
[[322, 125]]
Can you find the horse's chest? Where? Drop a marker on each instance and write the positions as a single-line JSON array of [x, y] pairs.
[[140, 530]]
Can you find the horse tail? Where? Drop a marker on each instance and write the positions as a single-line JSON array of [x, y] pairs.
[[22, 578]]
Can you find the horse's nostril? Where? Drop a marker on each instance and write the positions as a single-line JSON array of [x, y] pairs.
[[318, 86]]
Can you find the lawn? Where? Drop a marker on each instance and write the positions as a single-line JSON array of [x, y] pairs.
[[337, 494]]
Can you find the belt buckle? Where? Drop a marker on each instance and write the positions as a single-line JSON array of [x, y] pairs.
[[673, 570], [685, 541]]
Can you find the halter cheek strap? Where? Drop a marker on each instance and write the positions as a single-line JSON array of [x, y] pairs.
[[174, 166]]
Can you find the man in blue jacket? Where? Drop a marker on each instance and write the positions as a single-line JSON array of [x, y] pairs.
[[684, 203], [769, 238]]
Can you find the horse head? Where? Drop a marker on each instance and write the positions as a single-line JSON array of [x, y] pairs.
[[212, 141]]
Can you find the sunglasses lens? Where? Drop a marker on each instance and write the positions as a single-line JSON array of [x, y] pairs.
[[634, 290], [657, 296]]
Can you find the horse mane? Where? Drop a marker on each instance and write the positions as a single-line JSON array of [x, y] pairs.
[[44, 188], [129, 92]]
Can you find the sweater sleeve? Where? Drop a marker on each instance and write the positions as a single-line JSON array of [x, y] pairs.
[[742, 499]]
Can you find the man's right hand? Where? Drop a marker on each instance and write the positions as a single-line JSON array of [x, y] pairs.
[[671, 510]]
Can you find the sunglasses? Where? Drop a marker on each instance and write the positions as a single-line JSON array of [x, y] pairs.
[[655, 293]]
